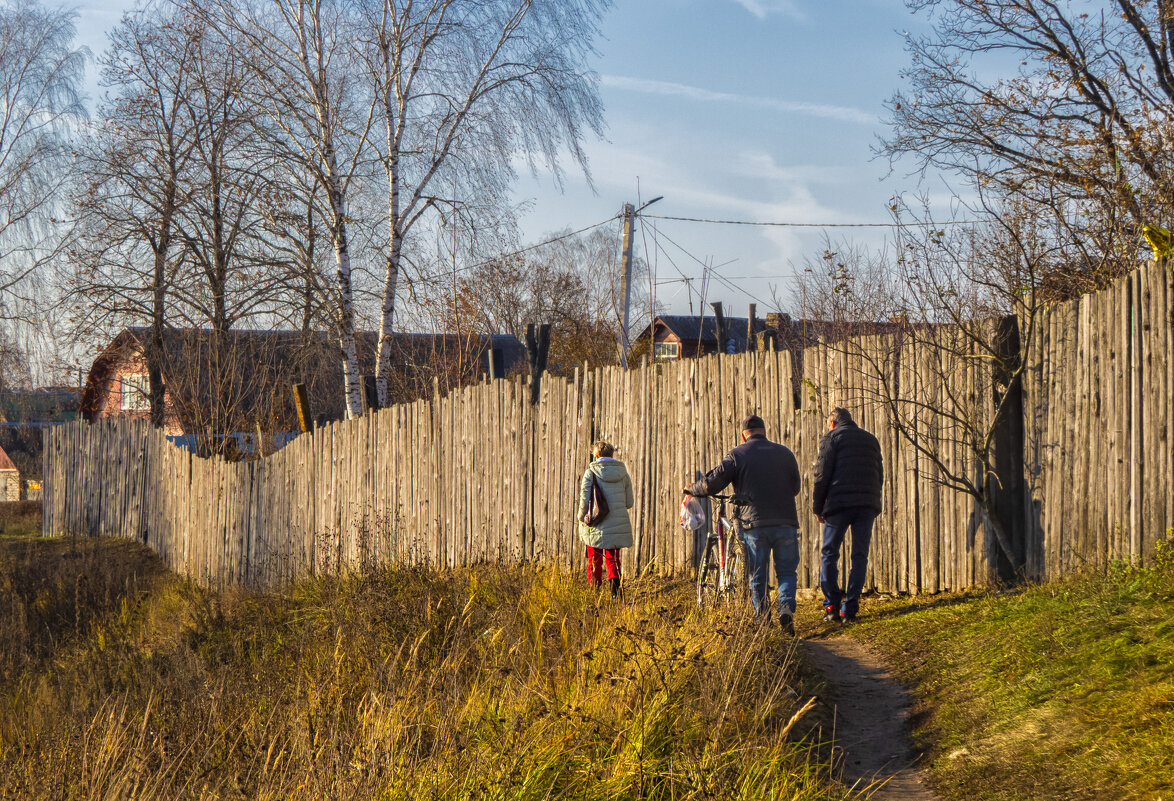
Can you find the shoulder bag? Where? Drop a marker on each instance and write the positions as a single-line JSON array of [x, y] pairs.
[[599, 508]]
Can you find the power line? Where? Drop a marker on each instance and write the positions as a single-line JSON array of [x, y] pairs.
[[816, 225], [433, 277]]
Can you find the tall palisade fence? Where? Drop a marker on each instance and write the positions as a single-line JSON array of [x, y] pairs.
[[481, 475]]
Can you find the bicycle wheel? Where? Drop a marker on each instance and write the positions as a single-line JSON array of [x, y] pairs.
[[737, 567], [708, 574]]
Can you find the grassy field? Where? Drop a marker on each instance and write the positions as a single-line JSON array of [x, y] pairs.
[[119, 680], [1057, 691], [20, 518]]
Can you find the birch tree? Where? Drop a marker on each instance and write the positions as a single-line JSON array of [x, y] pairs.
[[463, 88], [41, 73], [312, 111]]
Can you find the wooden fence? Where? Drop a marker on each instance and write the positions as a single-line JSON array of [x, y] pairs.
[[482, 475], [1097, 425]]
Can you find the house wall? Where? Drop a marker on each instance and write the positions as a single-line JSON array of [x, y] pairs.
[[688, 350], [10, 484], [110, 403]]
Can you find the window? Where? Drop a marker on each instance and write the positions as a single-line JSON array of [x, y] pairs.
[[136, 392], [666, 350]]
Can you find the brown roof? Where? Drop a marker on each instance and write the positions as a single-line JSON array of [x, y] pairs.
[[5, 462], [267, 358]]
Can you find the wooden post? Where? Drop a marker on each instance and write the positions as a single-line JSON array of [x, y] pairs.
[[302, 403], [538, 348], [370, 394], [719, 326], [751, 324]]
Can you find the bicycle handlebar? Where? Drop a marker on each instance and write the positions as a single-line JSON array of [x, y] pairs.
[[737, 499]]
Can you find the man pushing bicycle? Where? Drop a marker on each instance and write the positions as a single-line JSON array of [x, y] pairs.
[[766, 474]]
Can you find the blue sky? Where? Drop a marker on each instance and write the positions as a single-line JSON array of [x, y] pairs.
[[757, 110]]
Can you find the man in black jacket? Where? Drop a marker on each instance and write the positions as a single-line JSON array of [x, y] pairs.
[[848, 477], [767, 475]]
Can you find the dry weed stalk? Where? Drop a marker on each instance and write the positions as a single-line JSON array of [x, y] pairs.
[[502, 683]]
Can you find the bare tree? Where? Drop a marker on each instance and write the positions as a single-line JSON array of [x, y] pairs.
[[220, 222], [573, 282], [298, 247], [953, 311], [131, 170], [313, 112], [463, 88], [41, 73], [1078, 124]]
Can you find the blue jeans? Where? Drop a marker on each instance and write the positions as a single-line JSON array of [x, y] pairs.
[[783, 542], [860, 519]]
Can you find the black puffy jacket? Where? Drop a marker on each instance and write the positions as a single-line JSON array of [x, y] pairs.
[[849, 471], [766, 473]]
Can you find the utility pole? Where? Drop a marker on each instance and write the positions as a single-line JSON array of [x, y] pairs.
[[629, 213], [629, 216]]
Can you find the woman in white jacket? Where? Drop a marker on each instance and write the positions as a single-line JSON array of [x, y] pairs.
[[607, 536]]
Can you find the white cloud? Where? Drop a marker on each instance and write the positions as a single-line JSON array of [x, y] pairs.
[[749, 181], [670, 89], [762, 8]]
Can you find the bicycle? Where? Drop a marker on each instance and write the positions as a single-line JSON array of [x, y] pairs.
[[721, 572]]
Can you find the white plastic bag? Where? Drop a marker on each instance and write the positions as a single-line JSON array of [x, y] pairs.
[[692, 513]]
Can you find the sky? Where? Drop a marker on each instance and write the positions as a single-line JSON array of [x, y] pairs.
[[748, 110]]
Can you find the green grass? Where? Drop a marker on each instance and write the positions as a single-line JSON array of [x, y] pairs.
[[122, 680], [1057, 691]]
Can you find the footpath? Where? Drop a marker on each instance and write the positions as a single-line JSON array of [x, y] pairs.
[[871, 719]]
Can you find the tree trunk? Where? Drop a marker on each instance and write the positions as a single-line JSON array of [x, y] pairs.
[[386, 324], [154, 353], [395, 247], [991, 521], [346, 307], [308, 285]]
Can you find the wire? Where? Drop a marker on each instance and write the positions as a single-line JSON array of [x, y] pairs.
[[420, 279], [816, 225], [687, 253]]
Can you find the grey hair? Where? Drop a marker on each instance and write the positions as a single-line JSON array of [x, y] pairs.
[[840, 415]]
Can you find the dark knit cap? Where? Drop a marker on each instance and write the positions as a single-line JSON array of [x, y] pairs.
[[752, 422]]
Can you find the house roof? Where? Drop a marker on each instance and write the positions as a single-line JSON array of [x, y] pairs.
[[312, 357], [703, 330], [5, 462], [23, 445]]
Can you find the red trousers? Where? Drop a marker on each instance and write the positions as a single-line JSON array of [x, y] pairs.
[[595, 560]]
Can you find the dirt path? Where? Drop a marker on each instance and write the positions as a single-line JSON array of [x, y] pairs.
[[871, 714]]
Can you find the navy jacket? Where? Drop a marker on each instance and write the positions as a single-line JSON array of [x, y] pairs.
[[767, 473], [849, 471]]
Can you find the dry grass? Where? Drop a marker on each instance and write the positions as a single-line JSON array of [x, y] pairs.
[[490, 683], [20, 518]]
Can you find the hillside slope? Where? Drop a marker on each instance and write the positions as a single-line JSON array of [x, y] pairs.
[[1059, 691]]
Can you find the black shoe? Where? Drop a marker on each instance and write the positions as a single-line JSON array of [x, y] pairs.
[[846, 619], [615, 588], [787, 623], [830, 614]]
